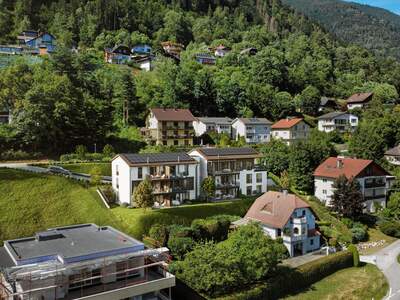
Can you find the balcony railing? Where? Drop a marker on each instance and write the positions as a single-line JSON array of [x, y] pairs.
[[374, 184], [302, 220], [294, 238]]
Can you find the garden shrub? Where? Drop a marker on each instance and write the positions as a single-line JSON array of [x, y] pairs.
[[359, 232], [160, 234], [180, 231], [391, 228], [179, 246], [356, 256], [17, 155]]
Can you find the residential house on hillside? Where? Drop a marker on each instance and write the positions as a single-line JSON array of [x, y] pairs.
[[172, 49], [205, 59], [120, 54], [40, 42], [174, 177], [141, 49], [249, 51], [144, 62], [339, 121], [393, 155], [212, 124], [83, 261], [359, 100], [221, 51], [254, 130], [327, 104], [235, 170], [170, 127], [290, 130], [286, 216], [375, 181]]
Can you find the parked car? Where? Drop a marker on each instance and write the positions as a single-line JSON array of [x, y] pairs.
[[59, 170]]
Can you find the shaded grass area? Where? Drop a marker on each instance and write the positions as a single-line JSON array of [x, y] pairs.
[[139, 221], [365, 282], [85, 168], [31, 202]]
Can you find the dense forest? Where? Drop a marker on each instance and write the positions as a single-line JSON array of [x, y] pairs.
[[370, 27], [75, 98]]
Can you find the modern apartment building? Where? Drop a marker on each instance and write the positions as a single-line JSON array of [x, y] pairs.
[[212, 124], [174, 177], [254, 130], [290, 130], [337, 121], [235, 171], [375, 182], [286, 216], [83, 262], [170, 127]]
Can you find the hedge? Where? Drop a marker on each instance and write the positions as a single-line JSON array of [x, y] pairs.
[[288, 281]]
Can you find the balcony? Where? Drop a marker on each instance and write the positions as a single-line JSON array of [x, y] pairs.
[[227, 185], [374, 183], [294, 238], [301, 221]]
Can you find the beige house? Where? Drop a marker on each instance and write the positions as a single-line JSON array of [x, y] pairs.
[[290, 130]]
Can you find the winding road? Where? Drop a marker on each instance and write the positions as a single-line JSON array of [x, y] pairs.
[[386, 261]]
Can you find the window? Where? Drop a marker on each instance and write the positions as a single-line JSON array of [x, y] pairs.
[[248, 190], [249, 179], [296, 230], [324, 192], [164, 143], [259, 177], [312, 242], [324, 180], [116, 170], [139, 173], [175, 124], [117, 182], [303, 231], [186, 142], [279, 232], [176, 143], [303, 213], [258, 189]]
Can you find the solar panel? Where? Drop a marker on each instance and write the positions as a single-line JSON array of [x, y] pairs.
[[158, 157], [228, 151]]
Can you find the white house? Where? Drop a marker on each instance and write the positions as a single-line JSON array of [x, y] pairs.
[[393, 155], [174, 176], [234, 169], [145, 62], [375, 182], [337, 121], [221, 51], [359, 100], [290, 130], [288, 217], [255, 130], [206, 124]]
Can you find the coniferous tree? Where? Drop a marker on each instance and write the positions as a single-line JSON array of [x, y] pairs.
[[347, 199], [143, 195]]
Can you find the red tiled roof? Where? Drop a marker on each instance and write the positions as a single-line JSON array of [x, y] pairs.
[[333, 167], [172, 114], [360, 98], [286, 123], [274, 208]]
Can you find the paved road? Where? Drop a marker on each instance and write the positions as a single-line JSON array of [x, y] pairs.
[[386, 261], [35, 169]]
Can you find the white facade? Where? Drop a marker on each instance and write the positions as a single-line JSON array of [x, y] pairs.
[[218, 125], [342, 123], [300, 131], [393, 159], [373, 188], [126, 177], [253, 132], [351, 106]]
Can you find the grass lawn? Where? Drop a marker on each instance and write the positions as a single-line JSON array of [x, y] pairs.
[[375, 235], [139, 221], [30, 202], [365, 282], [87, 168]]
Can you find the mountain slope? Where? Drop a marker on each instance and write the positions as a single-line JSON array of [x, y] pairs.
[[374, 28]]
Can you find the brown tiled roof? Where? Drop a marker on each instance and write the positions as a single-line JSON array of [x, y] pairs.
[[172, 114], [333, 167], [286, 123], [394, 151], [360, 98], [274, 208]]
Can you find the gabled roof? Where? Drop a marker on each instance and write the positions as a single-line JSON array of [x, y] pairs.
[[286, 123], [360, 98], [334, 167], [215, 120], [325, 101], [254, 121], [332, 115], [136, 159], [274, 209], [172, 114], [394, 151], [227, 153]]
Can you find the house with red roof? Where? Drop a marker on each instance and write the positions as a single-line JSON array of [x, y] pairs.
[[359, 100], [290, 130], [286, 216], [170, 127], [375, 181]]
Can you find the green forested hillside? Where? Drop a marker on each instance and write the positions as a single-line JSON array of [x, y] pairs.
[[371, 27], [72, 99]]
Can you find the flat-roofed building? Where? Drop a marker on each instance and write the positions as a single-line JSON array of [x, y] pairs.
[[83, 262], [254, 130], [235, 170], [213, 124], [174, 176]]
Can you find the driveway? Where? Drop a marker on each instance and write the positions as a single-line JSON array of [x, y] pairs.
[[297, 261], [386, 261]]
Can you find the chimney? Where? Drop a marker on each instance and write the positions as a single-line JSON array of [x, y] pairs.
[[339, 163]]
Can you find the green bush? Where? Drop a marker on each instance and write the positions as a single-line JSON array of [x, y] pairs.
[[213, 228], [17, 155], [391, 228], [160, 234], [356, 256], [359, 232], [177, 230], [179, 246], [348, 222]]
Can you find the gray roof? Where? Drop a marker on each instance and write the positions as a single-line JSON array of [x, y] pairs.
[[5, 259], [227, 151], [216, 120], [255, 121], [332, 115], [394, 151], [326, 100], [146, 158], [72, 244]]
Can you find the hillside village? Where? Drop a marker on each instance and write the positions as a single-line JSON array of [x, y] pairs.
[[206, 150]]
